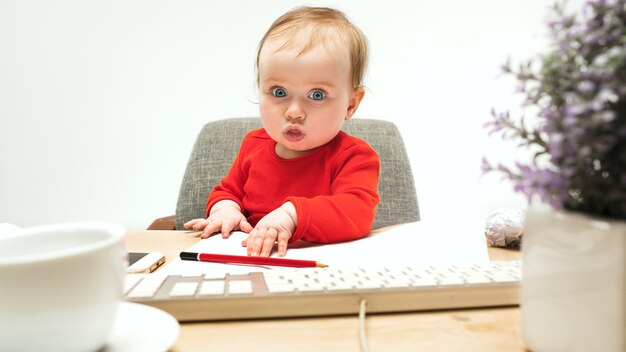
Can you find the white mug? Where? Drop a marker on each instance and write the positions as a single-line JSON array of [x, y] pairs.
[[60, 286]]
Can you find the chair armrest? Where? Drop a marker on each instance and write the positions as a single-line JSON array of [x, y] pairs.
[[164, 223]]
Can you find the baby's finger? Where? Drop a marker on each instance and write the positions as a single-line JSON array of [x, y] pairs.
[[268, 245], [251, 244], [206, 233], [254, 247], [211, 228], [245, 226], [252, 233], [227, 228], [267, 242], [200, 224], [283, 240], [190, 223]]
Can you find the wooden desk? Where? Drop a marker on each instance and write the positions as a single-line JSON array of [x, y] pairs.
[[488, 329]]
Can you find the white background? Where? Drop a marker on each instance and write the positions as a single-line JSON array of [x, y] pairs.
[[101, 101]]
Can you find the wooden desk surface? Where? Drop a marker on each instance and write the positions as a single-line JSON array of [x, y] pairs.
[[485, 329]]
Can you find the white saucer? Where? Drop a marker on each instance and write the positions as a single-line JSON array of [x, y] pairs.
[[139, 328]]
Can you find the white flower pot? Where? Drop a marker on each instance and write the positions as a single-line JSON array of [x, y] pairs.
[[573, 289]]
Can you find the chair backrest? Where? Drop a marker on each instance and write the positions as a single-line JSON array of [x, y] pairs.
[[219, 141]]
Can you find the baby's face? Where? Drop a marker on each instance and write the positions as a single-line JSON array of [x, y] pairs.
[[304, 97]]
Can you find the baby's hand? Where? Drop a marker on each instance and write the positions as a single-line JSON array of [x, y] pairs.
[[278, 225], [225, 217]]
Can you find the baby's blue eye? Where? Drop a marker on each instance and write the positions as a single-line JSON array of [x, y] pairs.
[[279, 92], [317, 95]]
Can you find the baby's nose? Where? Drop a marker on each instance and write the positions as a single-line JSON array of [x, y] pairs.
[[295, 111]]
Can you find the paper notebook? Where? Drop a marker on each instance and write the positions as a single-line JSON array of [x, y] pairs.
[[413, 244]]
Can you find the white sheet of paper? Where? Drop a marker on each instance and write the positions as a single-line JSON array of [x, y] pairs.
[[414, 244]]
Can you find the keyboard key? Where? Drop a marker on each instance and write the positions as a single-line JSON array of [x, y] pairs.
[[240, 287], [451, 281], [214, 287], [431, 282], [341, 286], [368, 285], [397, 282], [287, 288], [478, 279], [504, 278], [182, 289], [130, 281], [148, 286]]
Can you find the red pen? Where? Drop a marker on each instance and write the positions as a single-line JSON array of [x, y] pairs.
[[240, 259]]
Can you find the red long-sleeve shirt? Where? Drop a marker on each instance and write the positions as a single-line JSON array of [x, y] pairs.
[[333, 188]]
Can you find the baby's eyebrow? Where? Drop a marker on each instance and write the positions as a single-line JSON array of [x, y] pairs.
[[271, 80], [314, 84], [323, 84]]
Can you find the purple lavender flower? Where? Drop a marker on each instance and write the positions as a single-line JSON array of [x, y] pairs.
[[578, 93], [586, 87]]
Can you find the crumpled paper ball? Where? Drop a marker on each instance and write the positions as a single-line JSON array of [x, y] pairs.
[[504, 227]]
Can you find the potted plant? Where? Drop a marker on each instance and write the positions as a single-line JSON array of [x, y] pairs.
[[573, 122]]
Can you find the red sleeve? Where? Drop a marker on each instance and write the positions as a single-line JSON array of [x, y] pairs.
[[348, 213], [231, 186]]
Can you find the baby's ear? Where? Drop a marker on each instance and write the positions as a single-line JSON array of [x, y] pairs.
[[353, 103]]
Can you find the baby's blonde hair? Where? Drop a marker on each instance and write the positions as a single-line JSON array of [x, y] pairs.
[[324, 26]]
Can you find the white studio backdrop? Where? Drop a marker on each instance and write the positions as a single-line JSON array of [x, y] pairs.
[[101, 101]]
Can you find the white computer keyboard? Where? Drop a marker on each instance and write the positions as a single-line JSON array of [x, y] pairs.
[[327, 291]]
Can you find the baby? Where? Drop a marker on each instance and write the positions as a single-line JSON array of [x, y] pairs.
[[300, 177]]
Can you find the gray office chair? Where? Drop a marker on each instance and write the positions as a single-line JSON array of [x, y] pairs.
[[218, 144]]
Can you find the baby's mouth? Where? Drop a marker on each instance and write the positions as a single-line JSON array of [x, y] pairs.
[[293, 134]]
